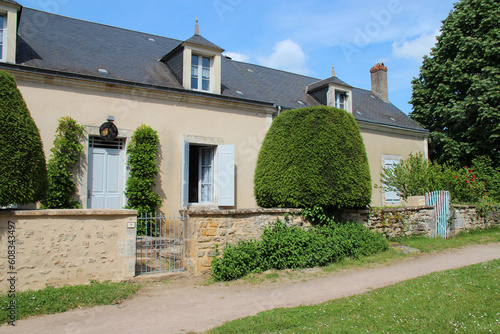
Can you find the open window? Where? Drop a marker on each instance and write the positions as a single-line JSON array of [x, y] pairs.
[[3, 36], [208, 175]]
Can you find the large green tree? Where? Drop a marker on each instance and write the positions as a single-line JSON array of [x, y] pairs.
[[457, 94], [23, 173]]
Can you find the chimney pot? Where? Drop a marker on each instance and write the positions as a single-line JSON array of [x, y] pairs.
[[379, 81]]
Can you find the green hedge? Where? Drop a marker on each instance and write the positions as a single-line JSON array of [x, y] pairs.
[[284, 246], [23, 173], [313, 157]]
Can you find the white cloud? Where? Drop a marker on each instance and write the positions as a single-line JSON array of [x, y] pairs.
[[287, 56], [238, 56], [416, 48]]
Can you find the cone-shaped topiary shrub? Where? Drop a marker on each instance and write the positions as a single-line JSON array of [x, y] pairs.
[[23, 173], [313, 157]]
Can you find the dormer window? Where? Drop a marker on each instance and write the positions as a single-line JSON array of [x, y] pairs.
[[340, 100], [200, 73], [3, 37]]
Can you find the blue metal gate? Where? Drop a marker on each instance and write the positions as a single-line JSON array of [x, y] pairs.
[[441, 202]]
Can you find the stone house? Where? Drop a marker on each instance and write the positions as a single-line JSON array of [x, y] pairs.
[[211, 112]]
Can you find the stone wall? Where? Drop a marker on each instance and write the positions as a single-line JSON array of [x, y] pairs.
[[67, 247], [205, 229], [394, 222], [466, 217]]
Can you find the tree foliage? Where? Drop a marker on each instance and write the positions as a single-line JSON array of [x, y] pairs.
[[65, 157], [313, 157], [23, 173], [456, 95], [142, 151]]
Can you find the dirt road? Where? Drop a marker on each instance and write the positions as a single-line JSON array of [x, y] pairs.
[[183, 307]]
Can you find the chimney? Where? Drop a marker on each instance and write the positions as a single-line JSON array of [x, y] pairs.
[[379, 81]]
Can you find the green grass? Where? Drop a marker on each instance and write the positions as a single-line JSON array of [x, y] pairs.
[[454, 301], [56, 300], [472, 237]]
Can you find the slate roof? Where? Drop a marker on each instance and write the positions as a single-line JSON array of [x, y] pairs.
[[11, 2], [82, 48], [325, 82]]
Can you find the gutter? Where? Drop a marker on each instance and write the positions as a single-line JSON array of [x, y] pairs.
[[396, 127]]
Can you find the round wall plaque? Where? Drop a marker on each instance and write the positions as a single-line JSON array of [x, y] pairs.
[[108, 131]]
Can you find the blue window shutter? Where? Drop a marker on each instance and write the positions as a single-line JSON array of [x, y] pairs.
[[225, 175], [185, 175]]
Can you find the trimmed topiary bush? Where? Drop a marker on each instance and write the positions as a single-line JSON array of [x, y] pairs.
[[142, 151], [313, 157], [23, 173], [65, 155]]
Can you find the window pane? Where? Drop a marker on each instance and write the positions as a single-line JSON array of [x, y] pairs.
[[206, 174], [194, 71], [205, 62], [207, 157], [206, 193], [194, 60], [205, 73], [194, 83], [205, 84]]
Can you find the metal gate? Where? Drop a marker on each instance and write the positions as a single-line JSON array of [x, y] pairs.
[[160, 243], [441, 202]]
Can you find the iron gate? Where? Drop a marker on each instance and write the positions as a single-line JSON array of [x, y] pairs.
[[160, 243], [441, 202]]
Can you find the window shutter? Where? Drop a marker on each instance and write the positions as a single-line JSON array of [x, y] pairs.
[[185, 175], [225, 175]]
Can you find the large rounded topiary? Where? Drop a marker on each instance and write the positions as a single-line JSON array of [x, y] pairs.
[[23, 173], [313, 157]]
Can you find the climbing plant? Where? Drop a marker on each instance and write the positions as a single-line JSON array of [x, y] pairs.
[[62, 163], [142, 151]]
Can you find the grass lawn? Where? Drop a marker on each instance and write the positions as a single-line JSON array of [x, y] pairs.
[[56, 300], [454, 301]]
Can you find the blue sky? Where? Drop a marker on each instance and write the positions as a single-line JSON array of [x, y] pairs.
[[307, 37]]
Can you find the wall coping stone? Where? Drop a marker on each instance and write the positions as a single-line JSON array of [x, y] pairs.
[[68, 212], [239, 211], [388, 209]]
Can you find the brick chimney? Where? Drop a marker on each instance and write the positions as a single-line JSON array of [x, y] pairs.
[[379, 81]]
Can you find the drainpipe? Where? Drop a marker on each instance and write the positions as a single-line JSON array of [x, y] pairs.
[[279, 109]]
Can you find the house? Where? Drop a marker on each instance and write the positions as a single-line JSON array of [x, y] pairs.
[[211, 112]]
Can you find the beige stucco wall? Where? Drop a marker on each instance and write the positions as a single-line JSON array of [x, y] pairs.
[[173, 116], [66, 247], [181, 117], [388, 143]]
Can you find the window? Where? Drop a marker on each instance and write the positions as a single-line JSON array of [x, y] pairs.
[[340, 100], [200, 73], [208, 174], [3, 36], [390, 195]]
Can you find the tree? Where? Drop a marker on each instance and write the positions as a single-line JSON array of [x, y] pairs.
[[313, 157], [65, 155], [23, 173], [142, 151], [456, 95]]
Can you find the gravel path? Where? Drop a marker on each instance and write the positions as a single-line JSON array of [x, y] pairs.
[[187, 306]]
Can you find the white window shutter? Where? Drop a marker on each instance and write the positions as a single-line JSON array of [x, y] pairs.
[[225, 175], [185, 175]]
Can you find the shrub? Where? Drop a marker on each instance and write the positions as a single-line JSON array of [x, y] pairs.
[[23, 173], [237, 261], [142, 151], [65, 155], [284, 247], [313, 156], [489, 175]]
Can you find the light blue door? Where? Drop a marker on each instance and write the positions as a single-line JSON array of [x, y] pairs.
[[106, 178]]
